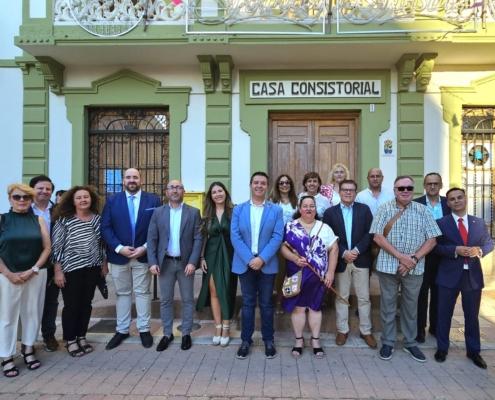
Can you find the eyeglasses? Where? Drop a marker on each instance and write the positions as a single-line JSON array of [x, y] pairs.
[[405, 188], [432, 184], [174, 187], [18, 197], [281, 183], [348, 190]]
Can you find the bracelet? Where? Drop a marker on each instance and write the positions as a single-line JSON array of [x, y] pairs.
[[201, 258]]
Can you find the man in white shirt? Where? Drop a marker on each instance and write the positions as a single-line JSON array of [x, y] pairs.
[[375, 195]]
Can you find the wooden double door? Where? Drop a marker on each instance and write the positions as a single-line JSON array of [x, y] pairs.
[[301, 143]]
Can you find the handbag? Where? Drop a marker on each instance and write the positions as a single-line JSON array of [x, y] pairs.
[[102, 286], [375, 249], [292, 284]]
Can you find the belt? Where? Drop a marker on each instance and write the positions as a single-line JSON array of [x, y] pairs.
[[173, 258]]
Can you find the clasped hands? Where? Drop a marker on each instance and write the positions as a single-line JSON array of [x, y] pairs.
[[131, 252], [406, 263], [256, 263], [19, 278], [350, 256], [467, 252]]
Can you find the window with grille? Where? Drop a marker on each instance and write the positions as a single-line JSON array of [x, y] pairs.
[[478, 130], [122, 138]]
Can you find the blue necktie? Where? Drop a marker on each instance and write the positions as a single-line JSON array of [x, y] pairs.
[[132, 218]]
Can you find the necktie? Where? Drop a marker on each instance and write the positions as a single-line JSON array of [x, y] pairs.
[[464, 235], [132, 218]]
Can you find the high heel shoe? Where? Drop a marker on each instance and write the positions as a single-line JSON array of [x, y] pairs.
[[31, 363], [317, 351], [8, 371], [216, 339], [296, 352], [224, 341]]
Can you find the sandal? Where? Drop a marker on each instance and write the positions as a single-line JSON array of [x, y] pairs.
[[297, 350], [216, 339], [224, 341], [317, 350], [87, 348], [74, 353], [23, 350], [31, 363], [8, 371]]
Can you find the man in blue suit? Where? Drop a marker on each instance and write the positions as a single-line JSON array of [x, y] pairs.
[[464, 241], [124, 227], [257, 230], [439, 208]]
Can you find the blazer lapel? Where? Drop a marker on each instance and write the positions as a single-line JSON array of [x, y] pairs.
[[264, 216], [247, 216], [183, 218], [142, 207], [455, 230], [166, 219], [340, 219], [124, 206], [471, 229]]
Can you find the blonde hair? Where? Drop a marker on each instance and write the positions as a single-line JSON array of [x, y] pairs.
[[23, 187], [334, 168]]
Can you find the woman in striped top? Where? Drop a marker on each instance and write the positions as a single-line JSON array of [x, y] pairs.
[[79, 261]]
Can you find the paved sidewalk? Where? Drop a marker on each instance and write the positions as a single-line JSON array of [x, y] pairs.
[[209, 372]]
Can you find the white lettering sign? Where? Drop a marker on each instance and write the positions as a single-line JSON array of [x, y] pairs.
[[336, 88]]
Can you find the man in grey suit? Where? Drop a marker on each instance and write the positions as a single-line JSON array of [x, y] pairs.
[[175, 240]]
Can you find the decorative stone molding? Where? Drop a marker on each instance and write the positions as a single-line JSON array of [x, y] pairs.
[[53, 72], [225, 65], [424, 68], [405, 68], [208, 67]]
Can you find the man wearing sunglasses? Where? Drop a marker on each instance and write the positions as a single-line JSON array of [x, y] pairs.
[[439, 208], [411, 235]]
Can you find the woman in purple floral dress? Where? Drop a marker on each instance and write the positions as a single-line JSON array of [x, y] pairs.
[[317, 245]]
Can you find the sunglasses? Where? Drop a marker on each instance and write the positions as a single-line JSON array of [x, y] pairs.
[[281, 183], [18, 197], [405, 188]]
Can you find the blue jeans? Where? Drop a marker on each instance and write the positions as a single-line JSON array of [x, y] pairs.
[[257, 285]]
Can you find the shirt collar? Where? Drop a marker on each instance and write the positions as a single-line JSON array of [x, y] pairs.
[[464, 218], [255, 205], [343, 207], [34, 207], [136, 196], [429, 204], [176, 209]]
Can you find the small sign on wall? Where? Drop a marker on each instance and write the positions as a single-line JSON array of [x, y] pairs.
[[387, 148]]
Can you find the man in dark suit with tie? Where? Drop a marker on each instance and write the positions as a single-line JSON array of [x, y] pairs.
[[439, 208], [464, 241], [351, 222], [175, 240], [124, 227]]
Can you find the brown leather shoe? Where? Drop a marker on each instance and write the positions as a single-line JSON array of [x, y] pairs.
[[341, 338], [369, 339]]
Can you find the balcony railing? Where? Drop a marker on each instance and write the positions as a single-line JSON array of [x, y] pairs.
[[116, 17]]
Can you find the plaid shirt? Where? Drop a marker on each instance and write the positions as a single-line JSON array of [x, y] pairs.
[[407, 235]]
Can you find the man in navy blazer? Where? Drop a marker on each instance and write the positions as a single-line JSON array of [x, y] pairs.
[[464, 241], [124, 227], [439, 208], [256, 231], [351, 222]]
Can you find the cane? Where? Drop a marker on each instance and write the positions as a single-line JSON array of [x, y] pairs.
[[316, 273]]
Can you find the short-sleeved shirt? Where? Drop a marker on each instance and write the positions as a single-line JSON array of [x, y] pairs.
[[366, 197], [407, 235]]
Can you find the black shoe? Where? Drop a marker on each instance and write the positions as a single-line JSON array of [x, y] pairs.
[[164, 342], [441, 356], [421, 336], [386, 352], [415, 353], [116, 340], [432, 331], [146, 339], [186, 342], [270, 351], [477, 360], [50, 343], [243, 351]]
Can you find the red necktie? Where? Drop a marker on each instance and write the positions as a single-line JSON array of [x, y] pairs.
[[464, 235]]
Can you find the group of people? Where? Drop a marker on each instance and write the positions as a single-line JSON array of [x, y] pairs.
[[326, 237]]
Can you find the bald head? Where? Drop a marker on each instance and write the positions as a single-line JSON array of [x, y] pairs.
[[375, 178], [132, 180], [175, 193]]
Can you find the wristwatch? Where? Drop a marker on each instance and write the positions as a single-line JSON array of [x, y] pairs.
[[415, 259], [35, 269]]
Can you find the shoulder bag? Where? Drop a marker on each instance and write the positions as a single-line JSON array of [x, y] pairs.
[[375, 249]]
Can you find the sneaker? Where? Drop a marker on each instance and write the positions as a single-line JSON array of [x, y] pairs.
[[243, 351], [50, 343], [386, 352], [415, 353], [270, 351]]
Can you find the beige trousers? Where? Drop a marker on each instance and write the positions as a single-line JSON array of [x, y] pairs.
[[25, 301], [343, 280]]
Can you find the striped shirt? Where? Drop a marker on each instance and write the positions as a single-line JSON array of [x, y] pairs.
[[77, 244], [407, 235]]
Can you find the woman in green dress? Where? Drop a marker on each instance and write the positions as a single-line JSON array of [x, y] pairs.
[[219, 283]]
